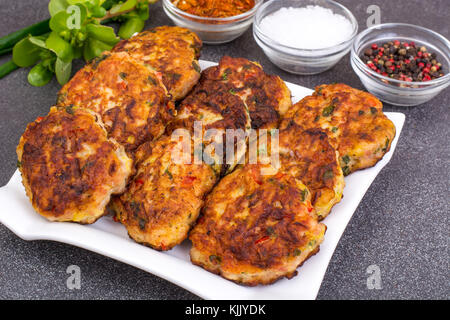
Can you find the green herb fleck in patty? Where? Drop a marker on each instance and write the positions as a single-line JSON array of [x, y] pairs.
[[328, 110]]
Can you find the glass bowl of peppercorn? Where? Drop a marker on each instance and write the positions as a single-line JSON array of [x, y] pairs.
[[402, 64], [215, 22]]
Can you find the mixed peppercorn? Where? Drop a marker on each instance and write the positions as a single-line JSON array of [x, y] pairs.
[[403, 61]]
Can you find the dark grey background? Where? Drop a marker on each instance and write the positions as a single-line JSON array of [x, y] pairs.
[[401, 225]]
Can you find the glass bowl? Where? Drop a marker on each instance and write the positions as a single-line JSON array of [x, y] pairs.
[[302, 61], [398, 92], [212, 30]]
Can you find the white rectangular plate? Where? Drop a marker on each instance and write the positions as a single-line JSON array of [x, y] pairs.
[[110, 238]]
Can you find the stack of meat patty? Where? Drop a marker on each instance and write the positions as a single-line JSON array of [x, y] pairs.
[[108, 146]]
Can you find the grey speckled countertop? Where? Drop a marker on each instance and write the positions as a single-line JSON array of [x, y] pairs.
[[401, 224]]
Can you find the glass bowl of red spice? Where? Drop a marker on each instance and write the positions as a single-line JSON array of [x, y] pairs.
[[402, 64], [215, 22]]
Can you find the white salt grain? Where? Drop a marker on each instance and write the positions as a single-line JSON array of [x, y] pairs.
[[311, 27]]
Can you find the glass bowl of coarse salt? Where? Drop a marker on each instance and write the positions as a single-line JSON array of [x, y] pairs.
[[304, 36]]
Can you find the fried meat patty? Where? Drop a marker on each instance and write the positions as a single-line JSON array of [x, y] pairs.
[[255, 229], [354, 121], [164, 198], [133, 102], [266, 96], [69, 166], [172, 51], [212, 106], [309, 156], [306, 155]]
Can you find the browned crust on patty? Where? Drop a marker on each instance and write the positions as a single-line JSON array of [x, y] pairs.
[[309, 156], [211, 97], [69, 166], [255, 283], [212, 105], [353, 120], [172, 51], [164, 198], [132, 101], [255, 228], [266, 96]]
